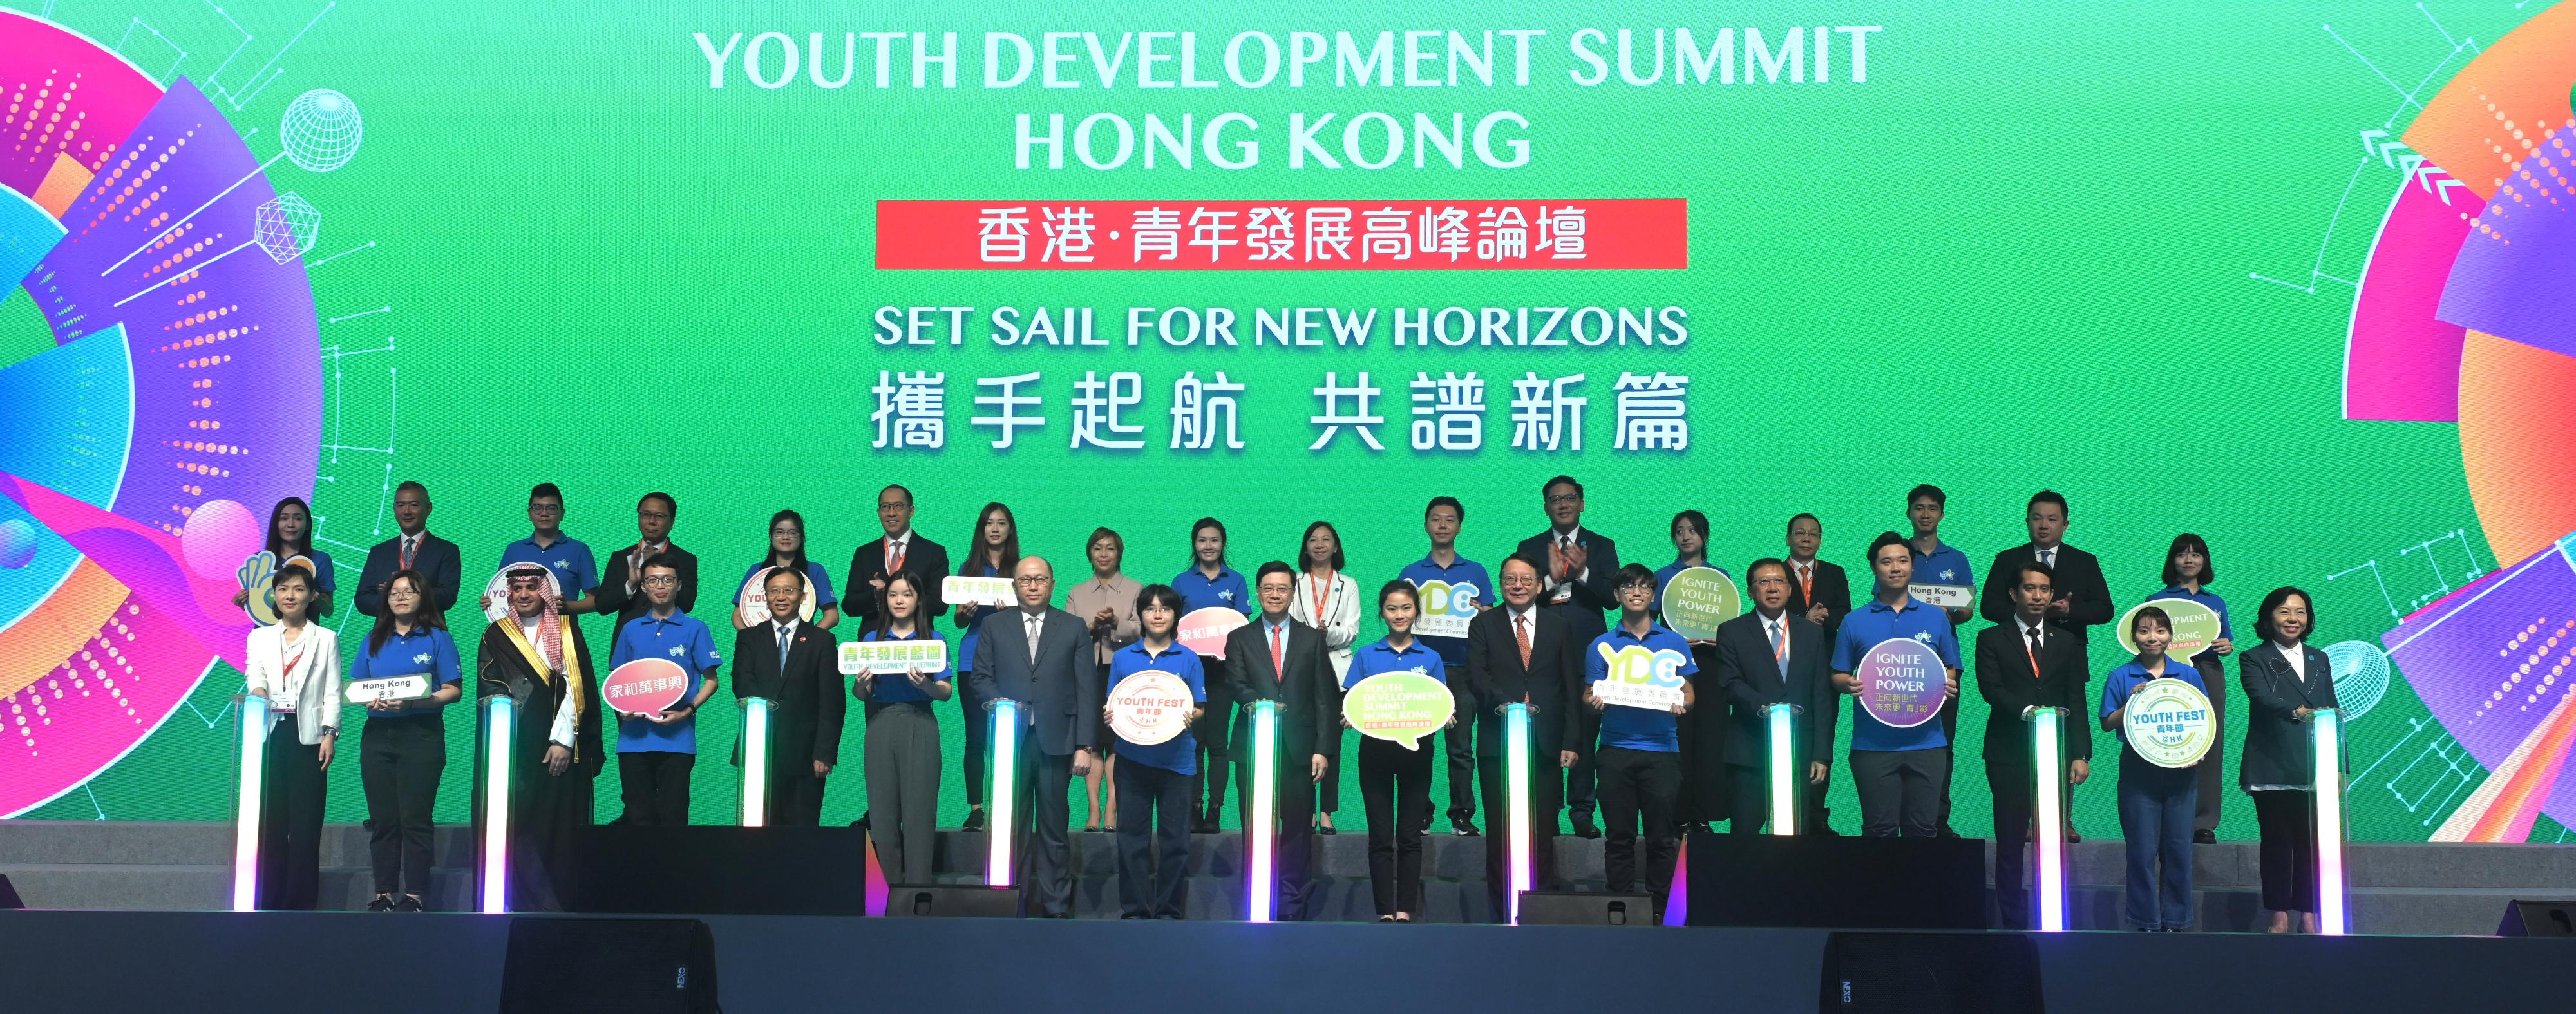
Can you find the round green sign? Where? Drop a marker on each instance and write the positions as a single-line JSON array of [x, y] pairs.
[[1697, 599], [2194, 626]]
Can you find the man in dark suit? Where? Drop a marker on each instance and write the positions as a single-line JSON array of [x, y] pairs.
[[900, 551], [413, 549], [1575, 585], [1042, 657], [1522, 653], [796, 666], [2083, 598], [1275, 659], [621, 586], [1775, 655], [2023, 663], [1817, 589]]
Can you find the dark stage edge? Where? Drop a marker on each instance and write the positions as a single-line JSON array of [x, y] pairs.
[[384, 962]]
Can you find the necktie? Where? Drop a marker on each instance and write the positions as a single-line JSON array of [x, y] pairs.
[[1779, 641], [1807, 585], [1036, 621], [1565, 547], [2034, 652], [782, 649], [410, 543], [1278, 660], [2048, 558], [1520, 632], [894, 556]]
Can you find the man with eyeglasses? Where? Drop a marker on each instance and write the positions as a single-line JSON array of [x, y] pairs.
[[567, 557], [1042, 657], [900, 550], [1580, 565], [620, 591], [656, 752]]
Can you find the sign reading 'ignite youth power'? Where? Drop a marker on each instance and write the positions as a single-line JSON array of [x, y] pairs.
[[1901, 682]]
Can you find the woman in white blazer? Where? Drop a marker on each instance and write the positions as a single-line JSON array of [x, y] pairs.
[[1327, 601], [295, 666]]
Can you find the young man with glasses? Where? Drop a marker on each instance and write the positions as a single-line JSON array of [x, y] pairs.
[[569, 558], [656, 752]]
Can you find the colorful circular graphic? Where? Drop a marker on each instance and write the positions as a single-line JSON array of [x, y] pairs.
[[122, 207]]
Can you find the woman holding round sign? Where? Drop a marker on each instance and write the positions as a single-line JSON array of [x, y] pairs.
[[995, 553], [2158, 708], [1156, 689], [2188, 573], [903, 739], [2285, 682], [409, 674], [786, 549], [1395, 693], [1705, 597], [1327, 601]]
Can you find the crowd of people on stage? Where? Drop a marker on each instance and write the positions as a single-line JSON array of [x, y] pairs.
[[1546, 619]]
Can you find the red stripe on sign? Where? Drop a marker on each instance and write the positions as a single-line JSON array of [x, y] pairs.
[[1474, 235]]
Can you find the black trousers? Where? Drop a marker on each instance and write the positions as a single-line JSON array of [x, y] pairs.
[[1293, 841], [1704, 730], [1459, 744], [2011, 786], [1214, 732], [1900, 790], [1581, 779], [1395, 787], [979, 736], [1640, 787], [2213, 674], [1153, 817], [795, 794], [290, 822], [1748, 800], [1042, 850], [2287, 819], [655, 786], [1950, 734], [1328, 792], [1492, 779], [399, 761]]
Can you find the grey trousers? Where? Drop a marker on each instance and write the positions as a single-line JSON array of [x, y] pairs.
[[903, 788], [1900, 790]]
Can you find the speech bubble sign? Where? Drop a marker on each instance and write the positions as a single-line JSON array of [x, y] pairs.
[[1203, 631], [1640, 677], [961, 590], [1399, 707], [927, 655], [754, 599], [388, 688], [2194, 626], [2169, 722], [1447, 607], [1150, 707], [1697, 600], [1901, 682], [646, 686]]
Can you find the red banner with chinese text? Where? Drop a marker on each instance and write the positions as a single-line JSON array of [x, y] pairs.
[[1283, 235]]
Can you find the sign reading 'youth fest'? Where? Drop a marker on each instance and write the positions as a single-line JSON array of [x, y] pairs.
[[1150, 707], [1901, 682], [2169, 723]]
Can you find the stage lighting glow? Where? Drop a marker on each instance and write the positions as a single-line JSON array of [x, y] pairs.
[[1006, 764], [2048, 823], [1516, 768], [755, 761], [2332, 918], [500, 716], [253, 716], [1264, 809], [1778, 722]]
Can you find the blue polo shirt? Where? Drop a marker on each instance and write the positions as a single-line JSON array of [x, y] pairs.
[[1664, 576], [814, 572], [1179, 754], [1875, 622], [683, 639], [1465, 577], [1198, 591], [567, 557], [424, 650], [2215, 604], [1378, 656], [2124, 681], [1944, 565], [894, 687], [971, 621], [1631, 727]]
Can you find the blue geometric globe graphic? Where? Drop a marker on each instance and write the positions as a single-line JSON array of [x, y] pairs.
[[321, 130], [2360, 676]]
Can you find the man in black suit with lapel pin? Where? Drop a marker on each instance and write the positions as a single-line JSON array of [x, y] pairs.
[[1775, 655], [2083, 598], [411, 548], [899, 551], [1819, 591], [1522, 653], [621, 585], [2022, 663], [796, 665], [1041, 657], [1577, 568], [1274, 658]]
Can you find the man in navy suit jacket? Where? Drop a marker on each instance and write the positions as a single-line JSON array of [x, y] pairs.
[[1775, 655], [1576, 585], [1057, 682], [413, 549]]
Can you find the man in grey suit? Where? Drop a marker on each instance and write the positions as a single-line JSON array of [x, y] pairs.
[[1041, 657]]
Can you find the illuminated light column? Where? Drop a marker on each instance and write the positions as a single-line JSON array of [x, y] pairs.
[[1779, 724], [500, 720], [755, 761], [1516, 784], [2048, 821], [1006, 762], [2332, 918], [1263, 811], [253, 771]]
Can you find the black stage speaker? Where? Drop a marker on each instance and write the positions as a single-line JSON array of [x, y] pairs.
[[2521, 918], [9, 895], [631, 869], [1837, 881], [952, 901], [1586, 908], [633, 966], [1931, 973]]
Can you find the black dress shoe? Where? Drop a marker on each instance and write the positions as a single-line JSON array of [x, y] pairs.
[[1203, 826], [409, 904], [1325, 829], [974, 820], [863, 819], [2072, 837], [2204, 836], [1464, 828], [1583, 826], [381, 904]]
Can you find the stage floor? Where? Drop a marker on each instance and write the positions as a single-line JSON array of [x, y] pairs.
[[445, 962]]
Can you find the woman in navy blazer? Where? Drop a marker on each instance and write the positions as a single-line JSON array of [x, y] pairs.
[[2285, 681]]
